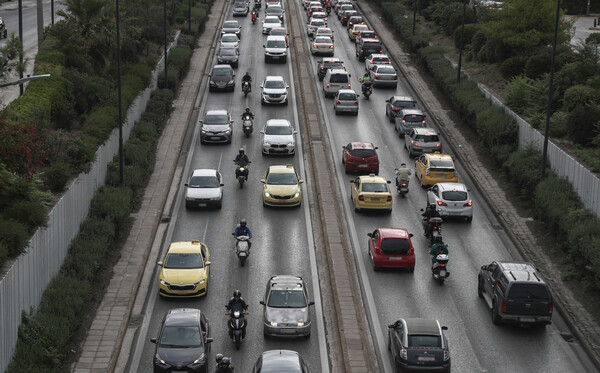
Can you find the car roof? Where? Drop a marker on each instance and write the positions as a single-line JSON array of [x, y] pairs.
[[275, 37], [185, 247], [182, 317], [346, 91], [403, 98], [272, 17], [286, 282], [278, 28], [282, 169], [379, 55], [439, 157], [452, 186], [228, 67], [372, 179], [337, 71], [423, 326], [277, 361], [370, 40], [425, 131], [204, 172], [362, 145], [217, 112], [323, 29], [394, 233], [332, 59], [273, 77], [278, 122]]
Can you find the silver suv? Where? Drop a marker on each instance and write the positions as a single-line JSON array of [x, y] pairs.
[[216, 127]]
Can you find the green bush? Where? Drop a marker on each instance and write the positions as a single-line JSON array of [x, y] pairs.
[[100, 123], [145, 131], [470, 30], [111, 203], [13, 235], [513, 66], [497, 132], [517, 96], [69, 148], [3, 254], [523, 169], [179, 58], [538, 64], [558, 124], [555, 196], [582, 124], [580, 95], [57, 176], [30, 213], [88, 251], [90, 91]]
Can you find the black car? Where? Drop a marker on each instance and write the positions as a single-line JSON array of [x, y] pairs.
[[221, 78], [516, 293], [277, 361], [418, 345], [366, 47], [183, 342], [328, 63], [228, 56]]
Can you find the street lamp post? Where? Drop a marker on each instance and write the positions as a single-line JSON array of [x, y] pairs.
[[190, 16], [462, 33], [119, 93], [414, 15], [165, 36], [21, 51]]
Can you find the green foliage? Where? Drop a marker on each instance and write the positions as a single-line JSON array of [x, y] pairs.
[[179, 59], [513, 66], [77, 150], [523, 169], [30, 213], [101, 122], [589, 156], [90, 91], [497, 132], [593, 38], [582, 124], [57, 176], [558, 124], [580, 95], [538, 64], [111, 203], [470, 30], [13, 235], [518, 91]]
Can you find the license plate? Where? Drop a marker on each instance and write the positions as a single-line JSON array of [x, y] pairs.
[[363, 165], [527, 319], [286, 331], [202, 205], [275, 57], [441, 174], [425, 358], [374, 199], [394, 258], [442, 273], [215, 138]]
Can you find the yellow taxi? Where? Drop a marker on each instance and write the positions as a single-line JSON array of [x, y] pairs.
[[435, 168], [282, 186], [371, 192], [184, 270], [356, 29]]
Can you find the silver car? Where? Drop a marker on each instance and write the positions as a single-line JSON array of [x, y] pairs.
[[229, 41], [278, 137], [384, 75], [451, 199], [216, 127], [346, 101], [286, 307], [232, 27], [240, 8], [422, 140], [204, 189]]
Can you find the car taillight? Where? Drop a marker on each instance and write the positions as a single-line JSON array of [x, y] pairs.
[[503, 308], [327, 85], [331, 47], [348, 85], [403, 354], [361, 50], [337, 102], [372, 62], [468, 204], [446, 355], [376, 76], [439, 145], [361, 198], [423, 122], [322, 68], [550, 309], [395, 77], [314, 45], [389, 198], [414, 143], [356, 102], [440, 203], [395, 109]]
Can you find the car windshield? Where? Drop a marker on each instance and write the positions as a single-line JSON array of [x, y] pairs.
[[338, 78], [404, 104], [230, 24], [427, 138], [395, 246], [375, 188], [455, 195], [287, 299], [215, 119], [347, 96], [276, 44], [181, 336], [240, 4], [414, 118], [282, 179], [204, 182], [274, 84], [278, 130], [386, 70], [184, 261], [228, 52], [229, 38], [363, 153], [424, 341], [528, 291]]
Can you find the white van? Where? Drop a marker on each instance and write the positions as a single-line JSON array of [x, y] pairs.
[[275, 49], [335, 79]]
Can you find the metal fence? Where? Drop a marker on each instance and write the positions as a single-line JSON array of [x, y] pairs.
[[22, 286], [585, 183]]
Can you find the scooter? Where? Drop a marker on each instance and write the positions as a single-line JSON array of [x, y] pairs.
[[401, 187], [433, 229], [241, 174], [253, 17], [242, 248], [3, 30], [236, 331], [367, 90], [246, 88], [439, 270], [248, 125]]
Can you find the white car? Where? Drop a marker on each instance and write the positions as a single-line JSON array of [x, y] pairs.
[[269, 23], [377, 59], [313, 25], [229, 41], [274, 90], [319, 15], [324, 31], [451, 199], [384, 75], [322, 45], [204, 189], [278, 137]]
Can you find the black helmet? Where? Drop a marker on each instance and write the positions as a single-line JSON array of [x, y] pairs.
[[219, 357], [242, 222], [226, 361], [247, 110], [438, 239], [242, 151], [237, 293], [402, 164]]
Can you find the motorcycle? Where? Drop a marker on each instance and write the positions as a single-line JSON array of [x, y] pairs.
[[439, 270], [246, 88], [328, 10], [367, 90], [241, 174], [248, 125], [237, 324], [3, 30], [402, 187], [242, 248], [433, 229]]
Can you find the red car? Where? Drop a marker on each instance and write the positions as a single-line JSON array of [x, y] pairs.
[[391, 248], [360, 157]]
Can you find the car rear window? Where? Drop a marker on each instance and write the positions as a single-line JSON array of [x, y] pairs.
[[347, 96], [228, 52], [414, 118], [333, 65], [442, 164], [386, 70], [427, 138], [424, 341], [338, 78], [372, 44], [455, 195], [363, 153], [405, 104], [396, 246], [528, 291], [375, 188]]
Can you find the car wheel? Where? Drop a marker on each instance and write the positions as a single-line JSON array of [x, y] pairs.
[[220, 205], [336, 112], [496, 319], [479, 288], [411, 269], [356, 113], [376, 172], [375, 268], [469, 219]]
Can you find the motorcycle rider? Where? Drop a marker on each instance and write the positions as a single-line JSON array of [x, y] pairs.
[[402, 173], [241, 160], [254, 15], [238, 301], [439, 247], [328, 6], [430, 212], [247, 113], [224, 366], [247, 78], [366, 81], [243, 230], [218, 358]]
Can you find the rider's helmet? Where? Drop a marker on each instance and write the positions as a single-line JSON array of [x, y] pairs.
[[366, 75], [432, 207], [236, 293], [219, 357], [226, 361], [438, 239], [242, 151], [242, 222], [247, 110], [402, 164]]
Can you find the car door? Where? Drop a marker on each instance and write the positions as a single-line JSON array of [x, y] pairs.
[[420, 164], [355, 189]]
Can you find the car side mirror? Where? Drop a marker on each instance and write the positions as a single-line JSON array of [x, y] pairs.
[[287, 86], [320, 61], [207, 263], [369, 234], [410, 235], [300, 181], [262, 132], [484, 268], [209, 340], [160, 263], [429, 189], [444, 328], [153, 340], [421, 210], [261, 86], [186, 184], [349, 75], [311, 303], [351, 181], [262, 181], [389, 182], [391, 326], [376, 147], [264, 46], [222, 184], [295, 132], [262, 302]]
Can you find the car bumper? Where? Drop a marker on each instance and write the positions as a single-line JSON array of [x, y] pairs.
[[414, 150], [173, 368], [403, 367], [293, 201], [286, 331], [394, 261], [197, 291], [276, 57], [428, 180], [268, 99], [346, 109], [373, 205], [526, 319], [362, 167], [385, 83], [278, 149], [240, 13], [216, 138], [460, 212], [194, 202], [222, 87], [325, 51]]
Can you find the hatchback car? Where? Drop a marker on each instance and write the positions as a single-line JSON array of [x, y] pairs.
[[451, 199], [229, 41], [345, 101], [269, 23], [334, 80], [316, 9], [396, 103], [228, 56], [354, 20], [324, 31], [371, 193], [407, 119], [274, 90], [322, 45], [313, 24], [360, 157], [356, 29], [341, 8], [319, 15], [435, 168], [216, 127], [232, 27], [183, 342], [328, 63], [184, 270], [280, 361], [422, 140], [286, 303], [204, 189], [366, 34], [391, 248], [278, 137], [275, 10], [377, 59], [365, 47], [383, 75], [282, 186], [419, 344], [346, 14], [241, 8]]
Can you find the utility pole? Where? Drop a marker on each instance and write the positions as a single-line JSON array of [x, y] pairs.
[[40, 21]]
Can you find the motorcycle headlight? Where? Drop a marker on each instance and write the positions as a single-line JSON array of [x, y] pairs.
[[273, 323], [267, 194]]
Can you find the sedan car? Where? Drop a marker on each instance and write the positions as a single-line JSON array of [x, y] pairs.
[[228, 56], [322, 45], [184, 270], [183, 342], [280, 31], [232, 27], [324, 31], [313, 25], [396, 103], [345, 101], [451, 199], [356, 29], [241, 8], [280, 361], [274, 90], [326, 64], [216, 127], [275, 10], [204, 189], [435, 168], [371, 193], [418, 344], [422, 140], [354, 20], [384, 75], [391, 248], [282, 186], [229, 41], [407, 119], [269, 23], [377, 59], [286, 305], [360, 157], [319, 15], [278, 137]]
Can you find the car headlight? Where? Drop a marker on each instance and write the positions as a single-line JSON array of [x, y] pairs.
[[290, 144], [266, 143], [230, 82], [199, 360], [163, 282], [301, 324], [297, 195], [204, 130], [212, 82], [201, 282], [159, 360], [267, 194], [273, 323], [228, 130]]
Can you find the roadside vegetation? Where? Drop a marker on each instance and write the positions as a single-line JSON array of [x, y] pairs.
[[517, 42]]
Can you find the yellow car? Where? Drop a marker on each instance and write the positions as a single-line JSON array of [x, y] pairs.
[[435, 168], [184, 270], [371, 192], [356, 29], [282, 186]]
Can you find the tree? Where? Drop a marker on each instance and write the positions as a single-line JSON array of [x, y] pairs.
[[9, 55]]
